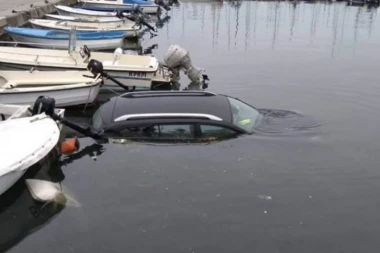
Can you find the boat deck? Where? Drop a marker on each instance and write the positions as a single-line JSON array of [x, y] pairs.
[[42, 78], [61, 58]]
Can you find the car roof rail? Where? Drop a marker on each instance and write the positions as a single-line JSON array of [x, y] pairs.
[[166, 93], [167, 115]]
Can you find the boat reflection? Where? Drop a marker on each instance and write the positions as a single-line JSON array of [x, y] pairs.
[[20, 214]]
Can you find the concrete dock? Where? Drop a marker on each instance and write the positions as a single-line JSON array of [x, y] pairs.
[[18, 12]]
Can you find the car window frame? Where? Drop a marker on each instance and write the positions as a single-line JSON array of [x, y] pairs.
[[155, 138], [237, 132]]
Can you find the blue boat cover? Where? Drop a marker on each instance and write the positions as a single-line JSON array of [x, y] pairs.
[[62, 34]]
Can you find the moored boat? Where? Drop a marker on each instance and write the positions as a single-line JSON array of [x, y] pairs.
[[69, 88], [132, 70], [39, 135], [82, 13], [88, 19], [59, 39], [121, 5], [129, 28]]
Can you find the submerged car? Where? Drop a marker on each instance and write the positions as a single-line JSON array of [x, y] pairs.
[[175, 116]]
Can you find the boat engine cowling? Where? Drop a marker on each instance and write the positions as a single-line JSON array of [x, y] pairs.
[[177, 58], [163, 4], [95, 67], [44, 105]]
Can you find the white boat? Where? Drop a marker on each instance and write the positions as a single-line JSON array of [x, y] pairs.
[[88, 19], [59, 39], [25, 141], [132, 70], [82, 13], [122, 5], [129, 28], [9, 112], [69, 88]]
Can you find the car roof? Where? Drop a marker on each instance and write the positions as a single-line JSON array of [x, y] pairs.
[[174, 102]]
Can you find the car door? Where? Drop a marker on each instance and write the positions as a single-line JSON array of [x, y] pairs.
[[165, 133]]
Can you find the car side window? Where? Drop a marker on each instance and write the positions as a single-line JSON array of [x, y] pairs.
[[216, 131], [140, 131], [176, 131]]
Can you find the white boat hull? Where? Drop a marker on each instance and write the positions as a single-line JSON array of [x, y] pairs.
[[7, 180], [64, 44], [39, 135], [82, 13], [130, 31], [125, 77], [150, 9], [63, 98], [90, 19]]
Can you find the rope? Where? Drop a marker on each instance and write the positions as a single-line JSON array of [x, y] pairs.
[[112, 90], [88, 99]]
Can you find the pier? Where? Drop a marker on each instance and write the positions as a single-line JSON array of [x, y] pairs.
[[18, 12]]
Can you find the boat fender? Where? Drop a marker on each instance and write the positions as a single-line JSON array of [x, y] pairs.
[[69, 146], [117, 53]]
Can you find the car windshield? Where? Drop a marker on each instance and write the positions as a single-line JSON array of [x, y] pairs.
[[243, 115], [97, 122]]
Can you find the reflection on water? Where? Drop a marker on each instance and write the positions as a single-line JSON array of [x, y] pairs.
[[20, 214], [276, 23]]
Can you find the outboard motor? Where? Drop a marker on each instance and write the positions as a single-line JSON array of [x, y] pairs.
[[119, 14], [96, 68], [139, 19], [47, 105], [44, 105], [162, 4], [137, 16], [177, 58]]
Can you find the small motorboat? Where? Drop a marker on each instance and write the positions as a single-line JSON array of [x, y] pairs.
[[83, 13], [129, 28], [122, 5], [58, 39], [69, 88], [37, 136], [89, 19], [144, 72]]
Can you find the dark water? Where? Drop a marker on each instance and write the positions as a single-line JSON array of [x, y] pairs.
[[319, 60]]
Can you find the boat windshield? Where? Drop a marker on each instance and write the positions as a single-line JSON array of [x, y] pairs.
[[243, 115]]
